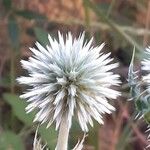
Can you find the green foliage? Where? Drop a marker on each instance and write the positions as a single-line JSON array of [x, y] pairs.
[[10, 141], [141, 98], [41, 35], [49, 136], [141, 105], [133, 79], [18, 106]]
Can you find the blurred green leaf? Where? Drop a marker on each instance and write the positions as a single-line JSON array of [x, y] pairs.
[[10, 141], [93, 134], [7, 4], [49, 135], [18, 107], [41, 35], [13, 30], [27, 14]]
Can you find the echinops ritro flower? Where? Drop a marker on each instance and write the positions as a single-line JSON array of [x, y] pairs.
[[69, 78]]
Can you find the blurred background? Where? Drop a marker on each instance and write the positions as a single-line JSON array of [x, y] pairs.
[[121, 24]]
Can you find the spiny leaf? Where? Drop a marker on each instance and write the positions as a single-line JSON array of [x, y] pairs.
[[141, 99], [133, 78]]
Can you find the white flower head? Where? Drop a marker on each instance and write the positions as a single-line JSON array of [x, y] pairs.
[[69, 78]]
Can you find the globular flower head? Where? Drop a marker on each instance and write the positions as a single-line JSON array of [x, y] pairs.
[[69, 78]]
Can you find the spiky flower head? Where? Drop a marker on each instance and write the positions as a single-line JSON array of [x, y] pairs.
[[69, 78]]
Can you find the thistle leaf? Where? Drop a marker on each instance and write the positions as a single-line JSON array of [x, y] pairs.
[[132, 79]]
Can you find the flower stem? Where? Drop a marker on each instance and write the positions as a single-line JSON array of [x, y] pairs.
[[62, 142]]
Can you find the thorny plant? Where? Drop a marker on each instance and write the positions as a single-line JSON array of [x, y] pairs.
[[140, 90]]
